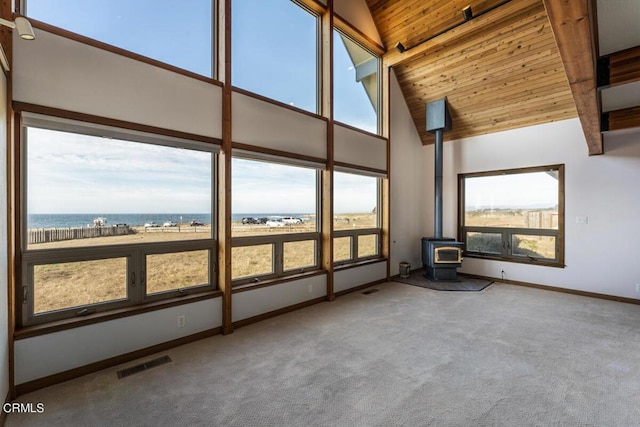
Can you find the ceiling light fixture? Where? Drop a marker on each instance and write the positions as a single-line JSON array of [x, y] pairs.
[[22, 25], [467, 13]]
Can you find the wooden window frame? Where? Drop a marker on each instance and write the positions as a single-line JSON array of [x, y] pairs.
[[507, 233]]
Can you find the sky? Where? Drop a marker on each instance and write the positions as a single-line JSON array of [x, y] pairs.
[[526, 190], [277, 61]]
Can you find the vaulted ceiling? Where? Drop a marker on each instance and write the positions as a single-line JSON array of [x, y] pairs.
[[500, 70]]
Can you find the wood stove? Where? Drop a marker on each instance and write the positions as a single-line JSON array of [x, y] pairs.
[[441, 256]]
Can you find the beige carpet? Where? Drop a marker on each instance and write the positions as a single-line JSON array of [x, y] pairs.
[[402, 356]]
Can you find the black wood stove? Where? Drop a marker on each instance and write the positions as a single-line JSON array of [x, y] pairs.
[[441, 256]]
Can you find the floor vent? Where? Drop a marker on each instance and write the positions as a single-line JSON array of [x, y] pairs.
[[370, 291], [143, 366]]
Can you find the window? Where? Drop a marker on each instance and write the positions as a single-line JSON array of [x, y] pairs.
[[515, 215], [355, 85], [108, 220], [356, 220], [167, 31], [274, 220], [275, 51]]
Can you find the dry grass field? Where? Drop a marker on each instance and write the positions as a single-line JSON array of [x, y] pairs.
[[73, 284]]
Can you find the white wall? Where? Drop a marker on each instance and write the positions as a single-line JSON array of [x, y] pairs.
[[602, 255], [357, 276], [73, 348], [357, 13], [411, 209], [4, 261]]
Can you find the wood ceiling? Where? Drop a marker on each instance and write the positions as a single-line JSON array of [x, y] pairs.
[[500, 70]]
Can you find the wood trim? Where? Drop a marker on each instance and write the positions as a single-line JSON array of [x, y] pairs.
[[359, 288], [277, 281], [359, 167], [572, 24], [624, 119], [358, 264], [62, 325], [346, 126], [276, 102], [313, 5], [119, 51], [554, 289], [271, 151], [224, 179], [278, 312], [356, 34], [89, 118], [60, 377], [624, 66]]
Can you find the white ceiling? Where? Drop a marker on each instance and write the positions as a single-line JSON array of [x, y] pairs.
[[618, 25]]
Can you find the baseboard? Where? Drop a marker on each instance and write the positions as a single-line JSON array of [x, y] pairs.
[[60, 377], [278, 312], [555, 289], [359, 288], [3, 414]]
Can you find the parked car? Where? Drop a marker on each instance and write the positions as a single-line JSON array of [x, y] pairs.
[[195, 222], [250, 220], [151, 224], [262, 220], [291, 220], [275, 223], [169, 224]]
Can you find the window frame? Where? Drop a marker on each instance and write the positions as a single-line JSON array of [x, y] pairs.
[[355, 233], [22, 9], [135, 253], [344, 31], [507, 233]]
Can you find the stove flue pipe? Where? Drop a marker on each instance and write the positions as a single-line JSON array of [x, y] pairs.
[[438, 120]]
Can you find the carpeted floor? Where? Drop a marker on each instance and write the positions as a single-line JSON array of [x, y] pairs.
[[417, 278], [402, 356]]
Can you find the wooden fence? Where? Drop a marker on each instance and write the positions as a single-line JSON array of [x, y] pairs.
[[46, 235]]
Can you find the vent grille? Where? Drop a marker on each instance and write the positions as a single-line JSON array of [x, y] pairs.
[[143, 366]]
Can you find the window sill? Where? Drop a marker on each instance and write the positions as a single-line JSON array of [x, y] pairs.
[[540, 263], [61, 325], [276, 281], [347, 266]]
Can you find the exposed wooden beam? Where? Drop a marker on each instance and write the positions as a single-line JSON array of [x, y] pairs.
[[573, 28], [624, 66], [626, 118]]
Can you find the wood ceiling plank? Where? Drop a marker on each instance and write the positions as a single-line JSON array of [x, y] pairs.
[[624, 66], [572, 23], [624, 119]]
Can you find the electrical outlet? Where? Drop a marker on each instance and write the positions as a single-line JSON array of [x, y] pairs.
[[638, 288], [310, 288], [182, 321]]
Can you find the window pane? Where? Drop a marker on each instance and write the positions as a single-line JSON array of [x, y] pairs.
[[342, 249], [274, 47], [484, 242], [165, 30], [298, 255], [355, 201], [169, 272], [355, 84], [520, 200], [367, 245], [271, 198], [86, 191], [249, 261], [75, 284], [533, 246]]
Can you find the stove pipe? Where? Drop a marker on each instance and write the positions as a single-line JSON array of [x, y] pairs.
[[438, 120]]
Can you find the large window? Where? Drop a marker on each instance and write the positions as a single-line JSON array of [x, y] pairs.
[[274, 220], [112, 222], [355, 84], [177, 33], [515, 215], [275, 51], [356, 220]]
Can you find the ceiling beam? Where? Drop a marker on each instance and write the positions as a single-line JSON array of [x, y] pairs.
[[626, 118], [624, 66], [573, 26]]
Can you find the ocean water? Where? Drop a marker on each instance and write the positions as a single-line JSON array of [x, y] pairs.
[[82, 220]]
